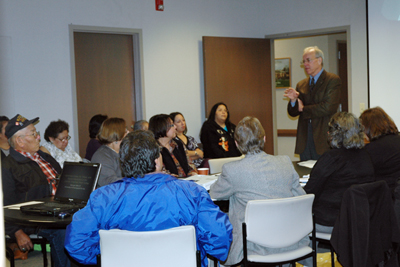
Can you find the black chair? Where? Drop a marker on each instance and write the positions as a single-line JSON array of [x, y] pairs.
[[325, 239], [35, 240]]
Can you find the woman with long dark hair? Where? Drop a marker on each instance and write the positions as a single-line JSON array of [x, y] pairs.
[[194, 152], [217, 134], [173, 152]]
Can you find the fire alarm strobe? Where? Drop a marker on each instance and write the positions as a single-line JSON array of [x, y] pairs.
[[160, 5]]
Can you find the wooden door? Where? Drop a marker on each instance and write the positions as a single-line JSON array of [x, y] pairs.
[[237, 71], [342, 73], [104, 79]]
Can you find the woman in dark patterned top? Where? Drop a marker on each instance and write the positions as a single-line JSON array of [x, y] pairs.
[[173, 152], [217, 134], [194, 152]]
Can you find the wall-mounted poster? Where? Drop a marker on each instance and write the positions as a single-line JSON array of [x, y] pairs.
[[282, 72]]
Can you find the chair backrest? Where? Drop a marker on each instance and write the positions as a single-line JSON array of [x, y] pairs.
[[216, 164], [278, 223], [366, 232], [171, 247]]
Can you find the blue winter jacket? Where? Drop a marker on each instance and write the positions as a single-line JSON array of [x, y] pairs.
[[154, 202]]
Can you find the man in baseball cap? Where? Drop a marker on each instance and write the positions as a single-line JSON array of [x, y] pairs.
[[27, 174]]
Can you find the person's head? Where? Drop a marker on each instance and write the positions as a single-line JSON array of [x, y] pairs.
[[139, 154], [219, 113], [112, 130], [95, 124], [3, 123], [179, 122], [58, 133], [141, 125], [377, 123], [250, 135], [22, 134], [162, 126], [313, 60], [345, 131]]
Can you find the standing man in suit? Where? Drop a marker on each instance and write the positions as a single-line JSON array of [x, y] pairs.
[[315, 99]]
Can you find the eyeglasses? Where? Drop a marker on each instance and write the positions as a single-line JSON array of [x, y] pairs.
[[64, 139], [307, 60], [34, 134]]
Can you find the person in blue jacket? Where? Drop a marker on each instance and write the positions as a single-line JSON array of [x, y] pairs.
[[147, 200]]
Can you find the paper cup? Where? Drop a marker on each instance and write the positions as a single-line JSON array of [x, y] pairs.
[[203, 171]]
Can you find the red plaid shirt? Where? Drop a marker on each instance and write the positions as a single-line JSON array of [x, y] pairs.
[[46, 167]]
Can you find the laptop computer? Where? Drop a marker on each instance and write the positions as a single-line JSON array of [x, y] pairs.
[[77, 181]]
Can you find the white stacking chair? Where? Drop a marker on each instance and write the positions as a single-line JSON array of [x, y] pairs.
[[279, 223], [171, 247], [216, 164]]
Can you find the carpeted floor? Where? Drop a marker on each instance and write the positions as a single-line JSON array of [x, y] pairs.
[[35, 259]]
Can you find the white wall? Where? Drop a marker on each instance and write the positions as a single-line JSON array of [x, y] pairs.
[[35, 70], [384, 39]]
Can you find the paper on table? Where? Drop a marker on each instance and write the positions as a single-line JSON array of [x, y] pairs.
[[308, 163], [204, 180], [303, 180], [17, 206]]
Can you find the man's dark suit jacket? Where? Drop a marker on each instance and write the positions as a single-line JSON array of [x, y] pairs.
[[319, 106]]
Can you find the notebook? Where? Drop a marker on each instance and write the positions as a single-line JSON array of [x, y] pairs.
[[77, 181]]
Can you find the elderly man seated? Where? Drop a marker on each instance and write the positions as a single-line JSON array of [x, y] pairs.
[[147, 200], [28, 174]]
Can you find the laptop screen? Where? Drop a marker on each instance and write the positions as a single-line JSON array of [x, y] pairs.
[[77, 181]]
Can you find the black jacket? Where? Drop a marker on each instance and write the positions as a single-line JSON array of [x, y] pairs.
[[218, 143], [24, 180], [366, 231], [332, 175], [385, 156], [180, 154]]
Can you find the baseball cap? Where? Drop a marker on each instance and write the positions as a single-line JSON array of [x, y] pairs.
[[17, 123]]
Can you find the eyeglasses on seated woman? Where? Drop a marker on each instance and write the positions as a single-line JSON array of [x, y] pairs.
[[57, 142]]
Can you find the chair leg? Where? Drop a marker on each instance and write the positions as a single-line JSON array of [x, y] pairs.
[[10, 254], [332, 257], [44, 252]]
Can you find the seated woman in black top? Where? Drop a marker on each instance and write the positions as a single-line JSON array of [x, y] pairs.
[[217, 134], [384, 149], [173, 152], [338, 169]]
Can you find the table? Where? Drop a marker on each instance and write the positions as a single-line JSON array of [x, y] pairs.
[[300, 169], [12, 214]]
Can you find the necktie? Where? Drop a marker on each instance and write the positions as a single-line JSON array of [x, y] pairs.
[[312, 84]]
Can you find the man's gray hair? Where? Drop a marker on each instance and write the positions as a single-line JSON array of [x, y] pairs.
[[318, 52], [139, 125], [11, 140]]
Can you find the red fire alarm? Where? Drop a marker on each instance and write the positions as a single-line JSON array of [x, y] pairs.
[[160, 5]]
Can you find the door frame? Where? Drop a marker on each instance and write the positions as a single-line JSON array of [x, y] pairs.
[[137, 40], [300, 34]]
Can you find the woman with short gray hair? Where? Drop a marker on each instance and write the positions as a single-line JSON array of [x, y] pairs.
[[256, 176]]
